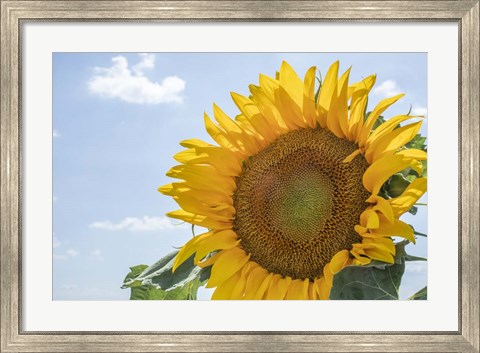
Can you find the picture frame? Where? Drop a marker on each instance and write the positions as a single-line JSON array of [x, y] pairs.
[[16, 13]]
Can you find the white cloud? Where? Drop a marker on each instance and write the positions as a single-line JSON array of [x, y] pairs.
[[72, 252], [135, 224], [387, 88], [69, 286], [419, 110], [147, 63], [417, 267], [97, 254], [54, 198], [132, 86], [55, 133]]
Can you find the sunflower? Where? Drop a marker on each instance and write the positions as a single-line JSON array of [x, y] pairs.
[[292, 192]]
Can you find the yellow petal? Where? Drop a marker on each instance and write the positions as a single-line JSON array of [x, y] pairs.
[[385, 244], [204, 177], [252, 113], [338, 261], [369, 219], [260, 294], [298, 290], [328, 274], [342, 102], [376, 175], [221, 240], [410, 195], [358, 107], [357, 113], [387, 127], [323, 289], [392, 141], [376, 112], [309, 109], [229, 262], [268, 110], [351, 156], [384, 207], [327, 92], [189, 249], [367, 83], [282, 287], [199, 220], [397, 229], [254, 282], [217, 134], [224, 291], [239, 288], [419, 155], [292, 84]]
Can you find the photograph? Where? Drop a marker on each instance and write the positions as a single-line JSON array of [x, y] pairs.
[[239, 176]]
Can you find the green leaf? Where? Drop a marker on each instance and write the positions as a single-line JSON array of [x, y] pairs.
[[397, 185], [409, 257], [380, 120], [418, 142], [367, 283], [375, 281], [157, 281], [420, 295], [134, 272]]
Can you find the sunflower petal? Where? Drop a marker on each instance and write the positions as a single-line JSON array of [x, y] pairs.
[[327, 92], [298, 290], [309, 109], [190, 248], [392, 141], [410, 195], [376, 175], [339, 260], [229, 262], [221, 240], [372, 118], [224, 290]]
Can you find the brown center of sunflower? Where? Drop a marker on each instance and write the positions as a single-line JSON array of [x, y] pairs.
[[297, 203]]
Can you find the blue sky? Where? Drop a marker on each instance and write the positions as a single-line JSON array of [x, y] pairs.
[[117, 121]]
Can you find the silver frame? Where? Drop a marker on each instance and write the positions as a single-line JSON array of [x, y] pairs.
[[15, 13]]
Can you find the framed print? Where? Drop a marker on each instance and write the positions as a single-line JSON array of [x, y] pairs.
[[159, 156]]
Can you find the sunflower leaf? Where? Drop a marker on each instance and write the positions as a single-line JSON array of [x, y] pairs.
[[367, 283], [157, 281], [418, 142], [420, 295], [397, 185], [375, 281]]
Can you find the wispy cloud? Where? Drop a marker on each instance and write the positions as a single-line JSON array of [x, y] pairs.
[[70, 253], [134, 224], [55, 133], [97, 254], [132, 86], [387, 88], [419, 110], [417, 267]]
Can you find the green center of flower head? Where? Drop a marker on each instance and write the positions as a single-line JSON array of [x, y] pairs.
[[300, 206], [297, 203]]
